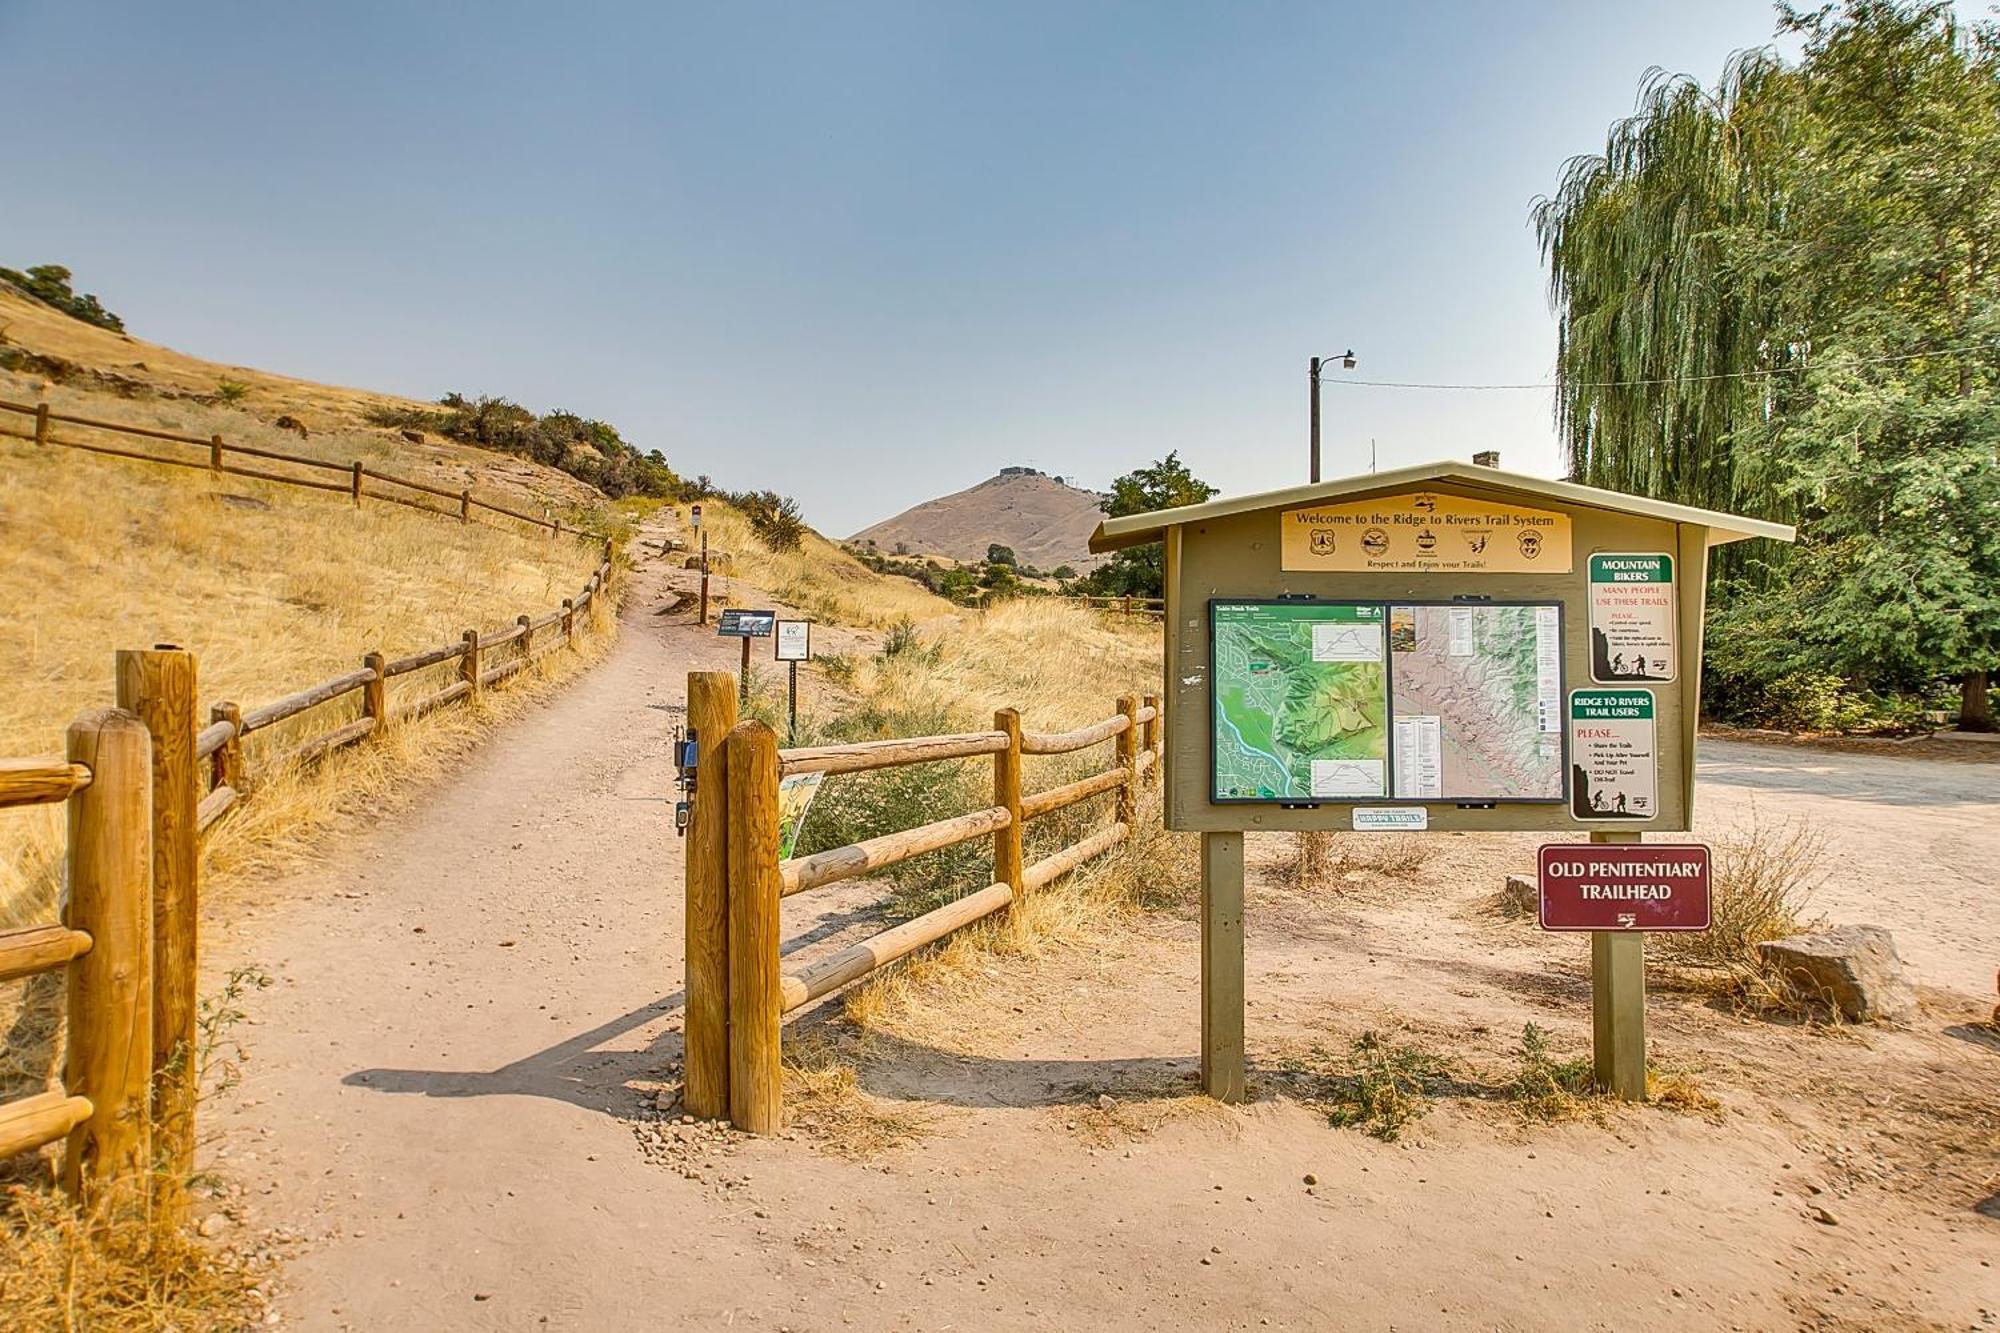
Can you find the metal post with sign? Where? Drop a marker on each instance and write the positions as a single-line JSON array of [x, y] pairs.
[[737, 623], [793, 645], [1440, 648]]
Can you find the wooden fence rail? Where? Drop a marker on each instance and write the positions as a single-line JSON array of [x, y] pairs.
[[1154, 607], [738, 990], [215, 458], [142, 782]]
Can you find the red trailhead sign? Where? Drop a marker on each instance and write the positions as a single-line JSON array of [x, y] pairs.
[[1594, 886]]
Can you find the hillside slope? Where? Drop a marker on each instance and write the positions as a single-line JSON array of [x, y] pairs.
[[45, 356], [1045, 522]]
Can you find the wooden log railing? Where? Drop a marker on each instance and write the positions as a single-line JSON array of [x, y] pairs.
[[738, 990], [142, 782], [215, 454]]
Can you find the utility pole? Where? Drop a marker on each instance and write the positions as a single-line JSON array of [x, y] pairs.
[[1313, 368], [1312, 375]]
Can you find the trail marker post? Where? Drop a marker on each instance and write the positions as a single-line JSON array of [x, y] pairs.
[[1439, 648], [694, 517]]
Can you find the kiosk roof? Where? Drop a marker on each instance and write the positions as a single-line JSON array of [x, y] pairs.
[[1137, 529]]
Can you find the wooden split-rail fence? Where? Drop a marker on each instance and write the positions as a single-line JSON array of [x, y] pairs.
[[143, 781], [1151, 607], [218, 457], [737, 988]]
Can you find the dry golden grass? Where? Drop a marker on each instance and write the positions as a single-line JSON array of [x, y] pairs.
[[1061, 666], [270, 597], [824, 1100], [100, 1272], [819, 577], [1317, 860]]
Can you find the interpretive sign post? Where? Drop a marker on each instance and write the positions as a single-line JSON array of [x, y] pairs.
[[1440, 648], [745, 625], [792, 646]]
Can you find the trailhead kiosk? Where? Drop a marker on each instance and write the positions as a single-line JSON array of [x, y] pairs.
[[1441, 648]]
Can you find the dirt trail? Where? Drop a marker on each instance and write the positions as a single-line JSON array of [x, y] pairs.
[[451, 1087]]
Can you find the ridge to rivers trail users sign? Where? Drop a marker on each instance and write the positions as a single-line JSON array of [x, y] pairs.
[[1599, 886]]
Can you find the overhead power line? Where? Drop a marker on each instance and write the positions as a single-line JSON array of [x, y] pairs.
[[1647, 384]]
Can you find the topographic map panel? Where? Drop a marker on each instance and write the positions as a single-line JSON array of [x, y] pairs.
[[1301, 701], [1477, 701]]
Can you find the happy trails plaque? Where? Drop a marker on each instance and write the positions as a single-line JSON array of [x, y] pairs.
[[1426, 531]]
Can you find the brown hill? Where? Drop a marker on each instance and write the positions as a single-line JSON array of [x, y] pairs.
[[1046, 522]]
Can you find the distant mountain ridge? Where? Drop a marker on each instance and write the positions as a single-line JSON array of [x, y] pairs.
[[1046, 522]]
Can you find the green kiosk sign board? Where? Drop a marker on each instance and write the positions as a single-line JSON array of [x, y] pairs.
[[1439, 648]]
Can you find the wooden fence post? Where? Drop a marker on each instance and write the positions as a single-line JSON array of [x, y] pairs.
[[1149, 739], [110, 1047], [569, 622], [465, 506], [1128, 759], [228, 759], [527, 624], [756, 1079], [215, 453], [355, 486], [1008, 860], [158, 686], [468, 662], [41, 423], [711, 703], [1618, 1003], [375, 694]]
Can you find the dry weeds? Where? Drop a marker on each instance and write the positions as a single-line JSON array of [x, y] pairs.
[[824, 1100], [819, 577], [1318, 860]]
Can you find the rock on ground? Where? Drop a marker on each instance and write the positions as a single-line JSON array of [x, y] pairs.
[[1855, 968]]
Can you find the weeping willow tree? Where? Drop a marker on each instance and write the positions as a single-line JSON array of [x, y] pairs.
[[1671, 334], [1781, 296]]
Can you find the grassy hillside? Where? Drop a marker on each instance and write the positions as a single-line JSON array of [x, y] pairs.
[[271, 587], [818, 577], [45, 356]]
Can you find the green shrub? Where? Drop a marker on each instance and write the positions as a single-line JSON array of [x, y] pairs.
[[230, 391], [49, 284]]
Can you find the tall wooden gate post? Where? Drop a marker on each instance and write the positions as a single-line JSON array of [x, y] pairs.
[[110, 1049], [711, 697], [1008, 860], [755, 1004], [1618, 1002], [1222, 1075], [158, 685]]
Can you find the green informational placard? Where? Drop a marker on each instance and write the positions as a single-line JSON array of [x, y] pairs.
[[1632, 617], [1614, 755], [1359, 701]]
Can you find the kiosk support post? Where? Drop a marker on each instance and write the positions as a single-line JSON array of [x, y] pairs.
[[1222, 966], [1618, 1003]]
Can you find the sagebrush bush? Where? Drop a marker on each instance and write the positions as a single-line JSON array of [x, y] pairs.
[[1763, 876]]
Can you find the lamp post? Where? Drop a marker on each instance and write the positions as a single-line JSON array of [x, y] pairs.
[[1346, 360]]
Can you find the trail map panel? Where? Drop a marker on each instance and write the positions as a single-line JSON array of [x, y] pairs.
[[1476, 694], [1301, 701]]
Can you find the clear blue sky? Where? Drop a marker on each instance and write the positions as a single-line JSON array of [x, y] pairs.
[[862, 253]]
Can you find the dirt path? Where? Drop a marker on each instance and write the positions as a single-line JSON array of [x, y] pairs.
[[451, 1093]]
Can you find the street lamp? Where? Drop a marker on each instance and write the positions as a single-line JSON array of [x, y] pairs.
[[1346, 360]]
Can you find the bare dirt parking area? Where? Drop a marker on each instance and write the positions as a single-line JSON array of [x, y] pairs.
[[458, 1109]]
